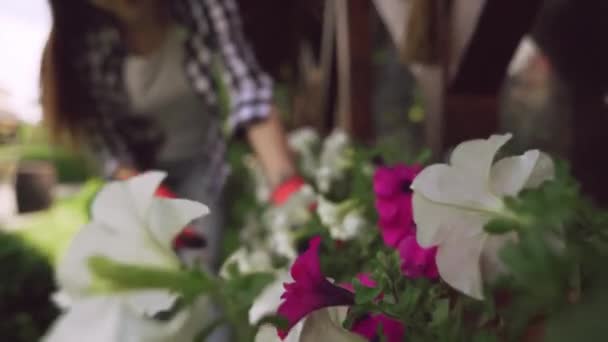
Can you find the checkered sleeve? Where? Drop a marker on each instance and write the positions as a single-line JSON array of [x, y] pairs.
[[250, 87]]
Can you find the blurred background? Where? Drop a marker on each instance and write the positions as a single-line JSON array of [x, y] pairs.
[[408, 75]]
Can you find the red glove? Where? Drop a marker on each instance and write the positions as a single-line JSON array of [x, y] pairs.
[[165, 192], [283, 192], [188, 237]]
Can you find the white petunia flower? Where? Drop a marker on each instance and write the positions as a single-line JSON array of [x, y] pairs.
[[343, 220], [325, 325], [130, 226], [268, 301], [333, 161], [305, 142], [268, 333], [266, 304], [452, 204], [281, 221], [248, 261], [104, 318], [303, 139]]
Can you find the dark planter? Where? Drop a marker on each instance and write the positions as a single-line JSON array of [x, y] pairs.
[[34, 186]]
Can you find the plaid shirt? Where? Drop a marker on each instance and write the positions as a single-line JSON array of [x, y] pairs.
[[214, 30]]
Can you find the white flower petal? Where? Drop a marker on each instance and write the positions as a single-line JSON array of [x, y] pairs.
[[167, 217], [509, 175], [269, 299], [544, 170], [449, 185], [328, 212], [458, 261], [325, 325], [72, 271], [475, 157], [62, 300], [103, 319], [352, 225], [148, 303], [190, 321], [96, 239], [434, 222], [124, 204], [256, 260], [268, 333]]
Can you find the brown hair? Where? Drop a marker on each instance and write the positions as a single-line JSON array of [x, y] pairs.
[[65, 100]]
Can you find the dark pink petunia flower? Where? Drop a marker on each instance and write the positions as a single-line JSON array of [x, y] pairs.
[[394, 205], [416, 261], [310, 290], [394, 201], [392, 329]]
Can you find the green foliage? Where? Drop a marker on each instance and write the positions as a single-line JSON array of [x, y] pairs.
[[27, 255], [235, 296], [51, 231], [112, 276], [554, 268], [71, 167], [27, 283]]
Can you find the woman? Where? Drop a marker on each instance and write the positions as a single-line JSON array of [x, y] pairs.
[[134, 80]]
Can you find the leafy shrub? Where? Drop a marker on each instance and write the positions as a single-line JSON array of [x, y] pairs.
[[26, 310]]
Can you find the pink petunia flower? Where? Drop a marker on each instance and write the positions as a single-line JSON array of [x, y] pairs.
[[393, 330], [394, 201], [417, 262], [394, 205], [310, 290]]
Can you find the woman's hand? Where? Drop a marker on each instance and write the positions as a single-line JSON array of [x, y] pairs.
[[124, 172], [269, 142]]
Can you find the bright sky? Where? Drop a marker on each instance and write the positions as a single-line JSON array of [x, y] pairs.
[[24, 27]]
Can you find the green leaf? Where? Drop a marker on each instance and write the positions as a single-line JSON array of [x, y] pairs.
[[355, 313], [114, 276], [499, 226], [364, 294], [441, 313], [485, 336]]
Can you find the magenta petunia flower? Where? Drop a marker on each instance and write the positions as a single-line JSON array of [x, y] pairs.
[[392, 329], [416, 261], [310, 290], [394, 204], [400, 224], [394, 201]]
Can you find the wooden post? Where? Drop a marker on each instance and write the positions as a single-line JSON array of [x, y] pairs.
[[361, 123], [354, 45]]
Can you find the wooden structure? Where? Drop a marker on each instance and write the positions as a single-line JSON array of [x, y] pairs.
[[463, 88], [571, 33]]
